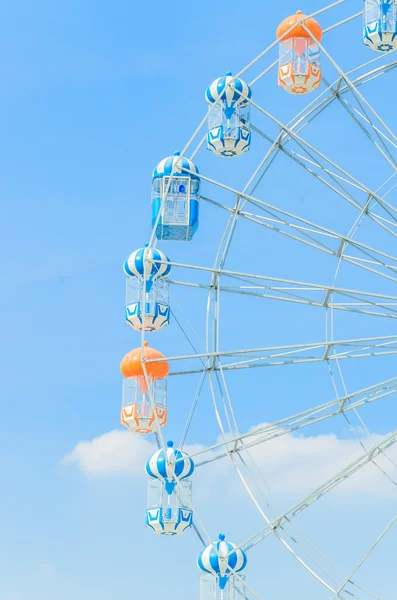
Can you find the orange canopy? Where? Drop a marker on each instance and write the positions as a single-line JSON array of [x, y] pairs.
[[298, 30], [131, 365]]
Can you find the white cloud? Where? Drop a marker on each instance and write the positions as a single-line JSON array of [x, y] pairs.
[[112, 453], [290, 464]]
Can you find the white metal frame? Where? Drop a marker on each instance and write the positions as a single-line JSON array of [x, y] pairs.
[[343, 247]]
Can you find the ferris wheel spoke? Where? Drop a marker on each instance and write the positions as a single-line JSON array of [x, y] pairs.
[[381, 222], [292, 293], [192, 410], [371, 76], [309, 147], [302, 160], [277, 532], [376, 216], [314, 108], [359, 97], [268, 223], [317, 105], [279, 284], [294, 539], [305, 237], [366, 555], [292, 354], [303, 119], [295, 356], [283, 530], [309, 163], [379, 57], [342, 192], [321, 491], [358, 116], [367, 432], [298, 421], [279, 214], [351, 307], [352, 233]]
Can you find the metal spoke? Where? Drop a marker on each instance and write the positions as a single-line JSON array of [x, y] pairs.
[[322, 490], [307, 418]]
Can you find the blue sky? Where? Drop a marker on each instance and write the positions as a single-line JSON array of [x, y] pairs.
[[94, 94]]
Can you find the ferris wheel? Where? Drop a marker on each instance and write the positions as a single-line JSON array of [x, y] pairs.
[[333, 276]]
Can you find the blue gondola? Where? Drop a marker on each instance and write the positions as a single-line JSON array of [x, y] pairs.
[[380, 25], [175, 199], [169, 509], [220, 562], [229, 132], [149, 290]]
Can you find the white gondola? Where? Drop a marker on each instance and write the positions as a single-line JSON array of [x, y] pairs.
[[221, 562], [169, 509], [380, 25], [147, 293], [229, 132]]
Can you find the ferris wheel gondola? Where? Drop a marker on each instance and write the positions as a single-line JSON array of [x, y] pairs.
[[299, 70], [228, 116], [147, 296], [144, 408], [169, 491], [380, 25], [223, 560], [175, 199]]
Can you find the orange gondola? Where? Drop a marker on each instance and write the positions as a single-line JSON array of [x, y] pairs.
[[144, 397], [299, 70]]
